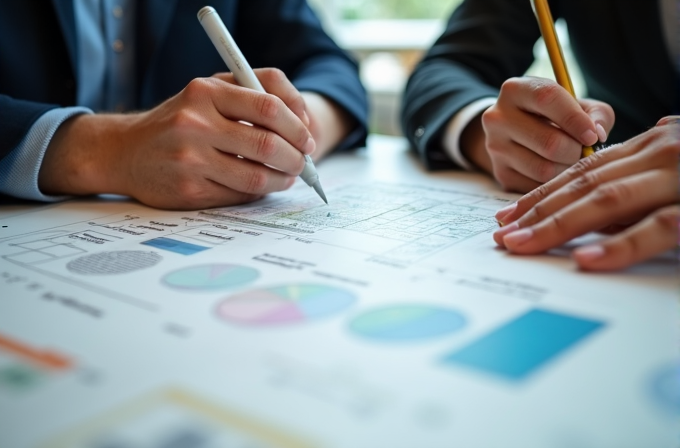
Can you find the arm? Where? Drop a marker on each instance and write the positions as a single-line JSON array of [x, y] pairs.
[[535, 129], [183, 154], [485, 43]]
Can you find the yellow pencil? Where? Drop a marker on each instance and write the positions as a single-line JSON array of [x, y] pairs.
[[552, 43]]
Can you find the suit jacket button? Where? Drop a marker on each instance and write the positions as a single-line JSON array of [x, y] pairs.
[[419, 132]]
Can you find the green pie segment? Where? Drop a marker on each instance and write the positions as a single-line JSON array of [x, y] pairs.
[[210, 277], [407, 323], [284, 304]]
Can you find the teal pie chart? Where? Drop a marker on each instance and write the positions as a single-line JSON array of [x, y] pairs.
[[210, 277], [405, 323]]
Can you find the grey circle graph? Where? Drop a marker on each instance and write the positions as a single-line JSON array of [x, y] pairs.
[[112, 263]]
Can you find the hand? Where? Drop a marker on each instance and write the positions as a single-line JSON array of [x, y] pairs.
[[328, 123], [534, 132], [192, 151], [633, 185]]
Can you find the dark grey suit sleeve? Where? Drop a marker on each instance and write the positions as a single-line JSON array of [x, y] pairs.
[[485, 43]]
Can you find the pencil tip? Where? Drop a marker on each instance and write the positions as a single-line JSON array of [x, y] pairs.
[[319, 191]]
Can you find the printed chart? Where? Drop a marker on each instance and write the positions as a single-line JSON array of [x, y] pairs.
[[284, 304], [112, 263], [210, 277], [407, 323], [519, 348], [665, 389]]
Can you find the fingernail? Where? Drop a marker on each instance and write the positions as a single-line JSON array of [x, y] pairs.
[[505, 211], [518, 238], [589, 138], [305, 118], [601, 133], [590, 253], [309, 146], [500, 233]]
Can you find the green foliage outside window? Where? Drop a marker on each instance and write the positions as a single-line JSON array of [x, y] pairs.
[[396, 9]]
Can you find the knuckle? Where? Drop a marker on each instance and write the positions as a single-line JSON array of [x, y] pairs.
[[185, 121], [197, 88], [268, 106], [546, 94], [582, 167], [612, 195], [551, 142], [669, 149], [266, 146], [273, 74], [559, 223], [573, 120], [511, 86], [536, 196], [631, 247], [540, 212], [297, 102], [583, 185], [544, 170], [491, 117], [667, 220], [256, 182]]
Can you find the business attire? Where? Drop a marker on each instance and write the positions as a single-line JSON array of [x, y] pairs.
[[63, 57], [624, 55]]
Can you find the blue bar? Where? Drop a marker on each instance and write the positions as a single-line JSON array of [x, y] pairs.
[[520, 347], [171, 245]]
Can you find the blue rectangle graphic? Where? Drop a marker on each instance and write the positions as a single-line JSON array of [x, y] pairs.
[[520, 347], [171, 245]]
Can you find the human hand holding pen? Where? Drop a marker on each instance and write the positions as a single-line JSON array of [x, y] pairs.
[[534, 132], [183, 154]]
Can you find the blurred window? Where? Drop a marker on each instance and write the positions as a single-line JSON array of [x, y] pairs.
[[388, 37]]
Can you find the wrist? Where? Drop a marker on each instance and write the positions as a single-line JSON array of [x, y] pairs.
[[329, 123], [473, 145], [84, 156]]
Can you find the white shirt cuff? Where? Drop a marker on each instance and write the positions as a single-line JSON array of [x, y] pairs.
[[456, 127], [19, 169]]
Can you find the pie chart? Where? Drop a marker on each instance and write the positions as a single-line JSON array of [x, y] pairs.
[[210, 277], [283, 305], [408, 322]]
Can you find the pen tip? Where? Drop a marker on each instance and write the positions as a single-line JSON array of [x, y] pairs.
[[319, 191]]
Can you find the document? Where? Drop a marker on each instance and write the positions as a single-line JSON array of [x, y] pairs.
[[385, 319]]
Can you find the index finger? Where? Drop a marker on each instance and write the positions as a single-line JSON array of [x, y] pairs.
[[548, 99], [262, 109], [582, 167], [275, 82]]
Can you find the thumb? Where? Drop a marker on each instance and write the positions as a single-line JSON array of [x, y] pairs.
[[602, 115]]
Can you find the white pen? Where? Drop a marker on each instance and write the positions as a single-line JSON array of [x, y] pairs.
[[232, 56]]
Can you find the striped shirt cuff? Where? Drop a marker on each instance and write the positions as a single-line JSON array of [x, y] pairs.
[[19, 169], [456, 127]]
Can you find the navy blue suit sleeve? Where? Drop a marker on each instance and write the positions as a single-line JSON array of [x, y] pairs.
[[16, 118], [485, 43], [289, 36]]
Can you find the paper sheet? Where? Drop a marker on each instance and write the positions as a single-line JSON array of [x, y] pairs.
[[387, 319]]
